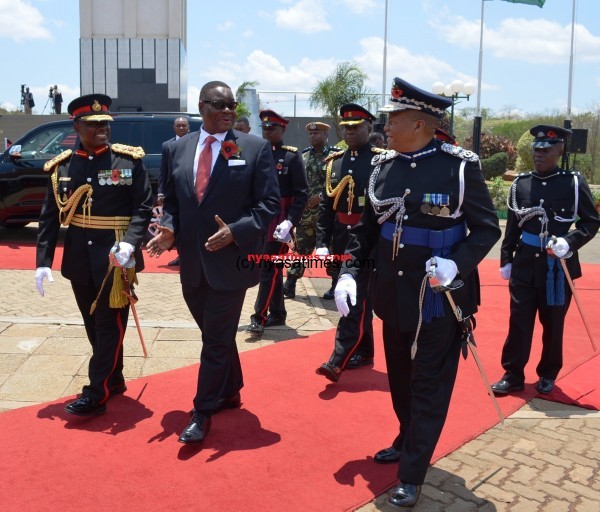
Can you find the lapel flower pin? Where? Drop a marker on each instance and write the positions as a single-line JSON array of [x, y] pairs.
[[230, 149]]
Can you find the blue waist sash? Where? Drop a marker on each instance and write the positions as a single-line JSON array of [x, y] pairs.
[[434, 239], [441, 241], [555, 278]]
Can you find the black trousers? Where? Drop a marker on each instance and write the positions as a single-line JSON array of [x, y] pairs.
[[421, 389], [525, 302], [355, 331], [270, 289], [105, 330], [217, 314]]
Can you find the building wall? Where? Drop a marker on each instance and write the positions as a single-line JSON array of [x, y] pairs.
[[137, 55]]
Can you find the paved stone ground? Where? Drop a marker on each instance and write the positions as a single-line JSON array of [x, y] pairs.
[[546, 457]]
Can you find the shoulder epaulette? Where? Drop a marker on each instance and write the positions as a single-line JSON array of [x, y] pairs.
[[459, 152], [306, 150], [333, 156], [375, 149], [132, 151], [335, 148], [291, 149], [384, 155], [50, 164]]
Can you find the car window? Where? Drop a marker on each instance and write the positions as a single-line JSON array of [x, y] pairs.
[[46, 143]]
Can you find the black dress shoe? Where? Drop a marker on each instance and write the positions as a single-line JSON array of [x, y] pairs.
[[174, 263], [197, 430], [503, 387], [545, 385], [329, 371], [117, 390], [289, 287], [358, 360], [273, 320], [85, 406], [255, 328], [387, 456], [329, 294], [404, 495]]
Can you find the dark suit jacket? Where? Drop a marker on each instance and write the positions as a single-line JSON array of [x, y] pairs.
[[246, 198], [163, 176]]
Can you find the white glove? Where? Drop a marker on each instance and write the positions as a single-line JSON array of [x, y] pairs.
[[282, 230], [40, 273], [123, 255], [505, 271], [322, 251], [445, 270], [344, 290], [560, 247]]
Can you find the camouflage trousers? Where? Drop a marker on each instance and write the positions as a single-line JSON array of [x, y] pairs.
[[306, 239]]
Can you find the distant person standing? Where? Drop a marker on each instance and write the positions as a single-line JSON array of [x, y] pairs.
[[28, 102], [181, 127], [306, 232], [57, 99], [378, 140], [242, 124], [269, 308]]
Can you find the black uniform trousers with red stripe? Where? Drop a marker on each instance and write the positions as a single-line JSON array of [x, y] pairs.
[[105, 329], [270, 291], [354, 332]]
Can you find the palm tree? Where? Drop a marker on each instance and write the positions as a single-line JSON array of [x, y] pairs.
[[345, 85]]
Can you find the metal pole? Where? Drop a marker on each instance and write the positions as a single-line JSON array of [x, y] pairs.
[[477, 120], [384, 54], [567, 123]]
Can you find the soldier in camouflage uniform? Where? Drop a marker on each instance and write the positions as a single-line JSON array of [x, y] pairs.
[[306, 232]]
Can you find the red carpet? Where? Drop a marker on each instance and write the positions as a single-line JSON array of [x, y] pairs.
[[297, 444]]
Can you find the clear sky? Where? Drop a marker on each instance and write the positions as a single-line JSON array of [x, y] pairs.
[[289, 45]]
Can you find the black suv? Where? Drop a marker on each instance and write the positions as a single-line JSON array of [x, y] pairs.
[[23, 182]]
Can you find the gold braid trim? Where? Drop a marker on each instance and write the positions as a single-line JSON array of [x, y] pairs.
[[57, 160], [132, 151], [337, 191], [66, 209], [117, 299], [292, 149]]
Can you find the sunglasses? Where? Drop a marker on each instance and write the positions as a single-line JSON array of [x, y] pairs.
[[221, 104]]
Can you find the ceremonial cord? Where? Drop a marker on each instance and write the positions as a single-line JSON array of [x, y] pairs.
[[413, 348], [69, 206], [337, 191]]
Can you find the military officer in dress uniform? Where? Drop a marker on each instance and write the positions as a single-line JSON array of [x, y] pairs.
[[306, 232], [543, 205], [269, 309], [346, 184], [102, 193], [426, 200]]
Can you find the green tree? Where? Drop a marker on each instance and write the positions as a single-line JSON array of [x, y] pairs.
[[345, 85], [240, 93]]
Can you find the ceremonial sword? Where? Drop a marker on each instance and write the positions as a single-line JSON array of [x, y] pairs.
[[563, 263], [128, 292], [466, 325]]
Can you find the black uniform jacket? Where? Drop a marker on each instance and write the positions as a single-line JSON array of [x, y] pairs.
[[557, 189], [291, 176], [395, 284], [359, 167], [243, 191], [86, 250]]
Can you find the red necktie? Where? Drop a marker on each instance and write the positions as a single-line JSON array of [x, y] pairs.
[[204, 166]]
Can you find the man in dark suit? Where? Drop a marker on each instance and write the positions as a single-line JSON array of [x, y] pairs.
[[181, 127], [221, 198], [426, 200], [102, 192]]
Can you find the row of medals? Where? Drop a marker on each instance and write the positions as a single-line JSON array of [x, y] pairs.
[[106, 177], [433, 209]]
